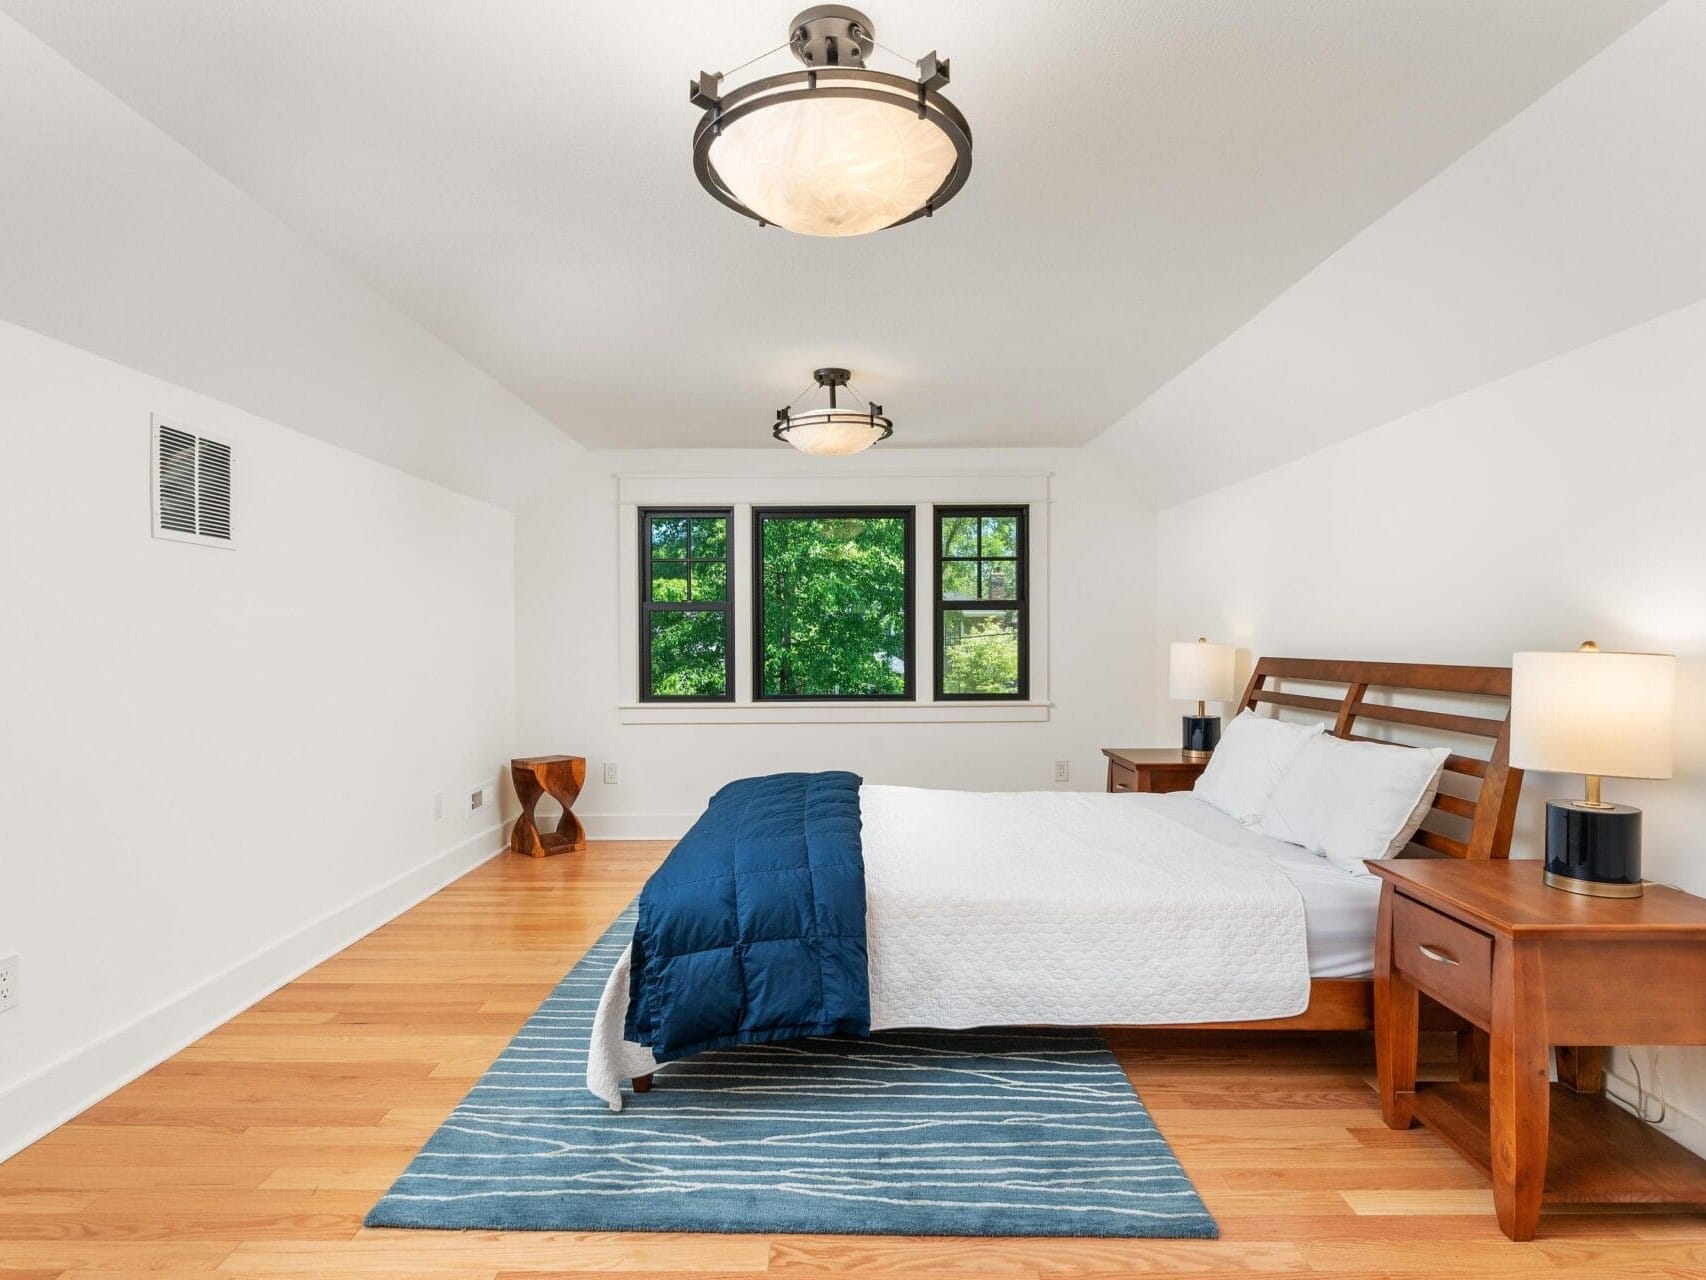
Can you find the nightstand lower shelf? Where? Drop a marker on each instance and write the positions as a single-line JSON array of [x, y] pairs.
[[1598, 1153]]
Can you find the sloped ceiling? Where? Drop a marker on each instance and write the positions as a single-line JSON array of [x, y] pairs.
[[1149, 175]]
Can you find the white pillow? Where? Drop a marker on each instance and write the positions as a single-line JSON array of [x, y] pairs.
[[1353, 800], [1253, 755]]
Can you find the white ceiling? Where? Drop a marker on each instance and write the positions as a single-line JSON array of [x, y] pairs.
[[515, 177], [1578, 219]]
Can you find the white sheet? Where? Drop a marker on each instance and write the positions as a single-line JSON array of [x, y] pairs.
[[1082, 909], [1078, 909], [1339, 907]]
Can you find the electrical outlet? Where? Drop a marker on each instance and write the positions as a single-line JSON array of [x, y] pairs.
[[477, 798], [1063, 771], [8, 983], [610, 772]]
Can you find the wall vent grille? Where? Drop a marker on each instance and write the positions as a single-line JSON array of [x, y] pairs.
[[192, 486]]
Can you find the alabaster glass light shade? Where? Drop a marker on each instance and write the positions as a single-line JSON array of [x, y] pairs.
[[1602, 714], [834, 433], [833, 166], [1199, 672]]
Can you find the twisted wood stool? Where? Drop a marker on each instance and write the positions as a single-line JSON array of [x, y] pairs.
[[560, 777]]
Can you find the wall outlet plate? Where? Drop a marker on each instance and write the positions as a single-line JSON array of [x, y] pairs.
[[477, 797], [1063, 771], [8, 983], [438, 806], [610, 772]]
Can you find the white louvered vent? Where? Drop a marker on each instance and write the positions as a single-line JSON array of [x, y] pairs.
[[192, 486]]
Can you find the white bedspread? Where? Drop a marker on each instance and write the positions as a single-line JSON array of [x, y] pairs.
[[1076, 909]]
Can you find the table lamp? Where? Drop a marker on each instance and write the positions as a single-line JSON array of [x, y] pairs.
[[1596, 714], [1200, 672]]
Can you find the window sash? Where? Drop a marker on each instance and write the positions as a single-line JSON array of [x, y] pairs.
[[1019, 603], [908, 516], [650, 607]]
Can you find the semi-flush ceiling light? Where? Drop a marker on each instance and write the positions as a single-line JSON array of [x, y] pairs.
[[833, 432], [836, 149]]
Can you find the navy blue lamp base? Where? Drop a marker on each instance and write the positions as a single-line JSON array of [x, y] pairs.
[[1596, 851], [1201, 736]]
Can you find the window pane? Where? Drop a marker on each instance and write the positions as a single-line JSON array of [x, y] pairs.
[[1000, 580], [710, 580], [980, 651], [688, 655], [959, 535], [959, 580], [834, 607], [711, 538], [669, 581], [669, 538], [1000, 536]]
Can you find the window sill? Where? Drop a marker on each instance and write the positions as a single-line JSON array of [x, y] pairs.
[[834, 712]]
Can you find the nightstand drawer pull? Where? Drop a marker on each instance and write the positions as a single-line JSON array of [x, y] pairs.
[[1434, 953]]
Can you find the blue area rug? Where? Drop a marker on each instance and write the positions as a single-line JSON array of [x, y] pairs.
[[1033, 1132]]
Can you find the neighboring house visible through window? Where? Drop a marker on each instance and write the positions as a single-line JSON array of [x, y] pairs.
[[833, 603], [686, 616], [982, 623]]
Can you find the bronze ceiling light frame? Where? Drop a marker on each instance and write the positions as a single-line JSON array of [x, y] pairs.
[[832, 432], [833, 41]]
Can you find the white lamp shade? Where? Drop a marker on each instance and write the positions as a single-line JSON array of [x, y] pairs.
[[834, 433], [1200, 672], [1593, 713], [831, 166]]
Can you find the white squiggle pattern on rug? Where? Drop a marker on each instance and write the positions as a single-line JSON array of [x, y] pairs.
[[1020, 1132]]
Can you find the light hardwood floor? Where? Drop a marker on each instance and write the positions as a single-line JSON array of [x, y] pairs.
[[256, 1151]]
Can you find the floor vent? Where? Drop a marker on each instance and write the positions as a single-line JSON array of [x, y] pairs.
[[192, 486]]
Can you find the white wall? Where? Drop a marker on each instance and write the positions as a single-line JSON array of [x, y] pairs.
[[568, 595], [1560, 504], [218, 764]]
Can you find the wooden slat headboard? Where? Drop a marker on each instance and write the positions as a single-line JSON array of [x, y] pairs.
[[1491, 814]]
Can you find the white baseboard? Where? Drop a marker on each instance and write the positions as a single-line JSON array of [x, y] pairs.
[[37, 1105], [637, 826], [1680, 1125]]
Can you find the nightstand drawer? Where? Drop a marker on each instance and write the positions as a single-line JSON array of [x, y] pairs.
[[1447, 959], [1173, 780], [1121, 777]]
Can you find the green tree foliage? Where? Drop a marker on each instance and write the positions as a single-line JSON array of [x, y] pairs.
[[980, 652], [835, 592], [688, 656]]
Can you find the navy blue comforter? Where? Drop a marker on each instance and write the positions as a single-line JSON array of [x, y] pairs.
[[753, 930]]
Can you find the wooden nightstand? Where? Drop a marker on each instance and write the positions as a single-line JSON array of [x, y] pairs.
[[1151, 769], [1535, 967]]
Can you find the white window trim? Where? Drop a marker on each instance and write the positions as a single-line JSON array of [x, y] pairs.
[[744, 492]]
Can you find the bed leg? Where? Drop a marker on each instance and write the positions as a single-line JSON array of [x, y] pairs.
[[643, 1084]]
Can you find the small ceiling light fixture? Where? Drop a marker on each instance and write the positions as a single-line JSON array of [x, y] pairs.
[[836, 149], [834, 432]]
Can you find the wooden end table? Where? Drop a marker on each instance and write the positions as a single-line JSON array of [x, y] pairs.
[[561, 778], [1535, 967], [1151, 769]]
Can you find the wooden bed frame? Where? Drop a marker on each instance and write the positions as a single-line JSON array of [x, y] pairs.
[[1347, 1004]]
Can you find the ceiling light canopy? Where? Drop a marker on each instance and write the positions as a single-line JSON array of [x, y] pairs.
[[835, 431], [836, 149]]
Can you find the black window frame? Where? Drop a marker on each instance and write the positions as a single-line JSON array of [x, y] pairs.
[[1021, 602], [726, 605], [909, 515]]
